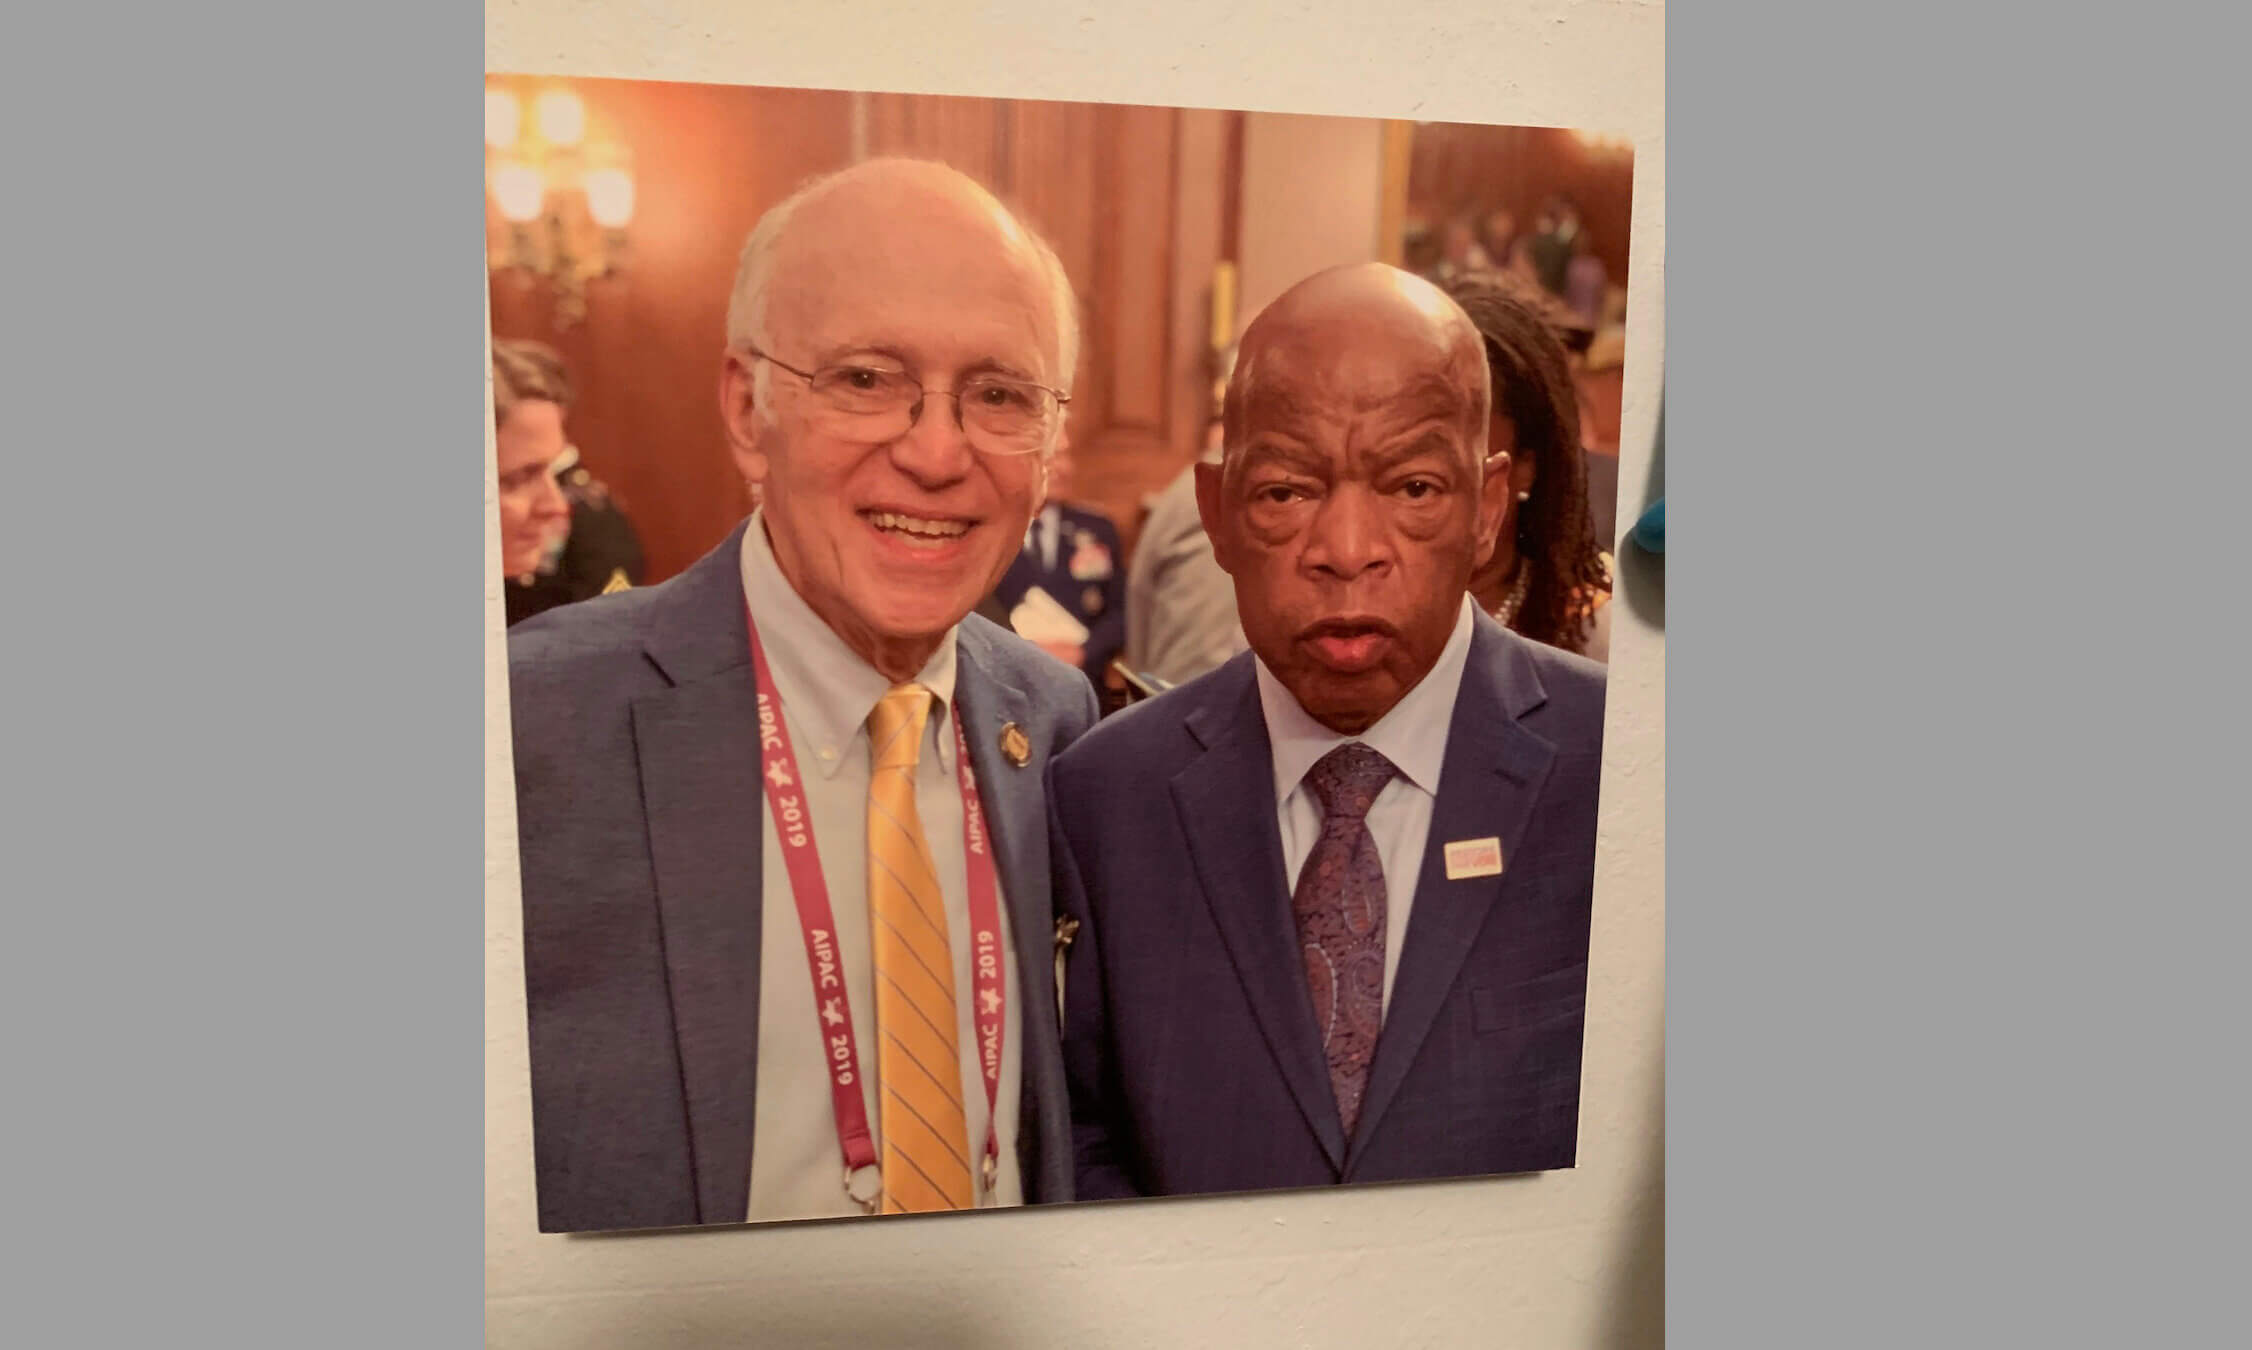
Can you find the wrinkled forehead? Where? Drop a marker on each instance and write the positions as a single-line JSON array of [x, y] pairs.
[[1325, 380]]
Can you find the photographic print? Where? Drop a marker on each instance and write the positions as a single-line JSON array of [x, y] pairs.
[[1057, 652]]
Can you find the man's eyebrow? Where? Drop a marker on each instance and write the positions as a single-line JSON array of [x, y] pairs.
[[991, 365], [1430, 439], [984, 365], [846, 351]]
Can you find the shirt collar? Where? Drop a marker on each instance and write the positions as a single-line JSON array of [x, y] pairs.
[[827, 687], [1413, 735]]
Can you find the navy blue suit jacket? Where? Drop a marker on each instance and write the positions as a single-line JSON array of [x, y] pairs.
[[1097, 599], [640, 818], [1194, 1060]]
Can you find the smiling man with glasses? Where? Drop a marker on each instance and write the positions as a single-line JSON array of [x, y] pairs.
[[786, 900]]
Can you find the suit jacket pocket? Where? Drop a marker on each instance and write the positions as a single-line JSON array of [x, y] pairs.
[[1529, 1003]]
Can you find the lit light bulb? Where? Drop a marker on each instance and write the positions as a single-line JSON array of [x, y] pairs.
[[609, 197], [519, 190], [504, 119], [562, 117]]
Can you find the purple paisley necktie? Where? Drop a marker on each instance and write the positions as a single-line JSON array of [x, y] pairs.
[[1339, 905]]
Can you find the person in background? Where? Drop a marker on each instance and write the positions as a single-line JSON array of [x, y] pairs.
[[1549, 578], [1072, 554], [1180, 606], [530, 393], [1550, 249], [1503, 244], [585, 544], [601, 551], [1460, 253], [1586, 283]]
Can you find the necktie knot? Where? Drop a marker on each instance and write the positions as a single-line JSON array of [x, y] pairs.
[[895, 728], [1347, 779]]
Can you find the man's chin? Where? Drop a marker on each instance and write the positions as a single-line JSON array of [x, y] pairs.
[[911, 624], [1348, 704]]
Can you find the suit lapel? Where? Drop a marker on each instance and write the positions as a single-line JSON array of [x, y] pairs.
[[1492, 775], [698, 746], [1016, 821], [1226, 802], [1011, 799]]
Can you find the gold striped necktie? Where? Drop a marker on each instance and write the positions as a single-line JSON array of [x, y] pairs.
[[918, 1062]]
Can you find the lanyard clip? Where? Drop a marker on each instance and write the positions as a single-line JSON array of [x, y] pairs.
[[869, 1190]]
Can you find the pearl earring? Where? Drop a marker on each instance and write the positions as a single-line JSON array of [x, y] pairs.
[[1525, 496]]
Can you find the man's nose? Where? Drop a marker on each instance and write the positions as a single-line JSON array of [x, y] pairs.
[[1348, 537], [935, 451]]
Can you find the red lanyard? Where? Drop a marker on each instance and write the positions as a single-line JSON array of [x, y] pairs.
[[793, 824]]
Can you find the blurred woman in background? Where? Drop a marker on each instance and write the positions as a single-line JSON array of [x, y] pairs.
[[563, 537], [530, 394], [1549, 578]]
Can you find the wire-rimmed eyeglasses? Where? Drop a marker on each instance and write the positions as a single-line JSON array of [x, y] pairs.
[[998, 414]]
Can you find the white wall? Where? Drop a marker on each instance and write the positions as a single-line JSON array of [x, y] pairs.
[[1568, 1259]]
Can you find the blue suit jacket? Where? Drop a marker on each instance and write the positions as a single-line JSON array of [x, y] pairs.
[[640, 819], [1194, 1060], [1097, 600]]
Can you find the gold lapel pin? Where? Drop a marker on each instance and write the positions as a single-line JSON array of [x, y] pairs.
[[1015, 745]]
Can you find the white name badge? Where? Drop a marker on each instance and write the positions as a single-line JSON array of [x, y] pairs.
[[1473, 858]]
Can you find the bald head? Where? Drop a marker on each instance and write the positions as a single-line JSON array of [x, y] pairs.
[[1354, 336], [891, 215]]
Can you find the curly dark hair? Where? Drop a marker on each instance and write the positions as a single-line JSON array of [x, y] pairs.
[[1532, 383]]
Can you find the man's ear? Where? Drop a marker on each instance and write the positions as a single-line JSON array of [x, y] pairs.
[[1494, 493], [739, 414], [1209, 480]]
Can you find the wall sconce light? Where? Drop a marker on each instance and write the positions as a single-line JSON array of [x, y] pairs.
[[566, 201]]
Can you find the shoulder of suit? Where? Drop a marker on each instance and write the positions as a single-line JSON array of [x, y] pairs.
[[572, 642], [1051, 685], [1573, 693], [1151, 736]]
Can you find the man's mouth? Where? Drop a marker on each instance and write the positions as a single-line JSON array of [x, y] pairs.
[[1349, 646], [930, 532]]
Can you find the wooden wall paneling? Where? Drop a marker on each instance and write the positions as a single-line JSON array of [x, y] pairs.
[[1125, 448], [1200, 197], [1051, 170], [1140, 274], [963, 132]]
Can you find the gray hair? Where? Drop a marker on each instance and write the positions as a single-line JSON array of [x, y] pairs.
[[754, 272]]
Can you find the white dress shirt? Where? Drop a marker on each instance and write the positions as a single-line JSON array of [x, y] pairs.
[[827, 692], [1413, 735]]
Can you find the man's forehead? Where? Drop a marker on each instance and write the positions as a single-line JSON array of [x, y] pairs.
[[1290, 381], [848, 272]]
